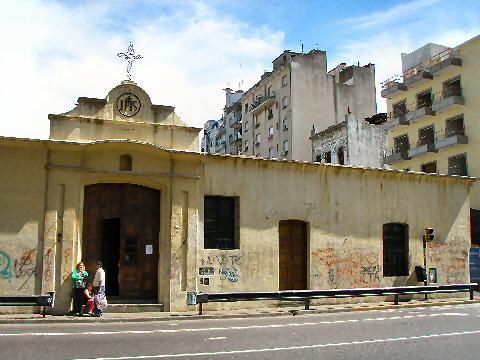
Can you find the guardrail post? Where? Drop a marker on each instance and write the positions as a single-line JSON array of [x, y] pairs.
[[395, 299], [307, 304], [200, 309]]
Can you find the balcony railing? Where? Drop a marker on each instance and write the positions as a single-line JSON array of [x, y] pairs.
[[395, 155], [392, 85], [235, 121], [261, 101], [443, 60], [416, 73], [450, 137], [449, 98]]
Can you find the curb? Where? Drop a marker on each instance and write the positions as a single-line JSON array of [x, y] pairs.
[[213, 316]]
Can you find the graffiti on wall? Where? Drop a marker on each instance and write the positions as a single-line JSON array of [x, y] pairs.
[[25, 265], [48, 266], [451, 259], [5, 265], [358, 267], [66, 261], [225, 266], [229, 274]]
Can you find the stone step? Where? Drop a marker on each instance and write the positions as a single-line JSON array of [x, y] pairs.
[[134, 308]]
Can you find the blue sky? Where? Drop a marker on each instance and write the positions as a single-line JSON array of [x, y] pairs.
[[60, 50]]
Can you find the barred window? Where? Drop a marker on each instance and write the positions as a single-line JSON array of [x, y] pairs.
[[395, 249], [221, 222]]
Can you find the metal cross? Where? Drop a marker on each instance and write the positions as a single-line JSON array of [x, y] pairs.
[[130, 56]]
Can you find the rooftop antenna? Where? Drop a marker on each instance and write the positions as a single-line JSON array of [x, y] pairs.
[[316, 46], [301, 43]]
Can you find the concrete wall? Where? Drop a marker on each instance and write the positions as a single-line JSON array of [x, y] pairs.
[[421, 55], [22, 189], [345, 239], [345, 232], [366, 143]]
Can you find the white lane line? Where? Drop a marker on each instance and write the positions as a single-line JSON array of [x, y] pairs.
[[271, 326], [315, 346], [217, 338]]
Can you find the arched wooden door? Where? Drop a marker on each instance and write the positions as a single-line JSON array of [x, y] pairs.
[[292, 255], [121, 228]]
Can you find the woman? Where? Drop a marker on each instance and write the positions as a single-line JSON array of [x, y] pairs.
[[79, 275], [89, 297]]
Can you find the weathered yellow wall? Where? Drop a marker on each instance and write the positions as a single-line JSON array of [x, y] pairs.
[[345, 210], [22, 185]]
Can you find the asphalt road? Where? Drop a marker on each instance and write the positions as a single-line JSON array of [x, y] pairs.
[[446, 332]]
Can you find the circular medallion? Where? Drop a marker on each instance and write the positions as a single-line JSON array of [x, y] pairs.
[[128, 104]]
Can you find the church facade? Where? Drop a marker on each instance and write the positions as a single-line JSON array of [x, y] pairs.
[[122, 180]]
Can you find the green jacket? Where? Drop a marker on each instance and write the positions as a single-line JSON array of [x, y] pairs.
[[77, 275]]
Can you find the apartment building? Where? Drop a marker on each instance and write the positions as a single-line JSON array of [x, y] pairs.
[[225, 135], [434, 110], [280, 110], [358, 142], [214, 134]]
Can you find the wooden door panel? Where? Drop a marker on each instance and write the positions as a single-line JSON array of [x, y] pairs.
[[292, 255]]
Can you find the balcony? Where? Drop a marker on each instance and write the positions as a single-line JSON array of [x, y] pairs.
[[450, 137], [396, 155], [262, 101], [418, 114], [236, 139], [446, 60], [451, 99], [221, 131], [417, 75], [391, 86], [422, 149], [395, 122], [235, 122]]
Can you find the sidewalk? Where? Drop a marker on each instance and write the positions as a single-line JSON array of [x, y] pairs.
[[226, 314]]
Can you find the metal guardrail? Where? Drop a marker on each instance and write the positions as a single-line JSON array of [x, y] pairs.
[[307, 295], [29, 300]]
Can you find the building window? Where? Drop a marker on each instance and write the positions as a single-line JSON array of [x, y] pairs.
[[454, 126], [424, 99], [457, 165], [255, 121], [328, 157], [401, 144], [270, 152], [399, 109], [257, 140], [125, 163], [270, 132], [269, 91], [475, 226], [246, 107], [246, 126], [452, 88], [284, 102], [426, 135], [221, 222], [285, 124], [341, 156], [270, 114], [284, 81], [318, 158], [246, 145], [429, 168], [285, 147], [395, 249]]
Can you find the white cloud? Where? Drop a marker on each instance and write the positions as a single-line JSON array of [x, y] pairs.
[[56, 54], [391, 15]]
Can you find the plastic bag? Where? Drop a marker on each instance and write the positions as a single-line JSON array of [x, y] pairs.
[[101, 301]]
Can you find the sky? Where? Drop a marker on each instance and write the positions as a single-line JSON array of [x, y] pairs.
[[56, 51]]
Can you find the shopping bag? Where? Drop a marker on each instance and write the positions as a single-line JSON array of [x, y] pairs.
[[101, 301]]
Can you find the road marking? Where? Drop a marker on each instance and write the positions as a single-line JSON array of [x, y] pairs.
[[315, 346], [156, 331], [217, 338]]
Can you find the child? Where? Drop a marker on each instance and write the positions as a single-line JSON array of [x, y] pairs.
[[89, 297]]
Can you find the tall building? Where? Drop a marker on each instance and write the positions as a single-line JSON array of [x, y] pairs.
[[225, 135], [280, 110], [433, 115]]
